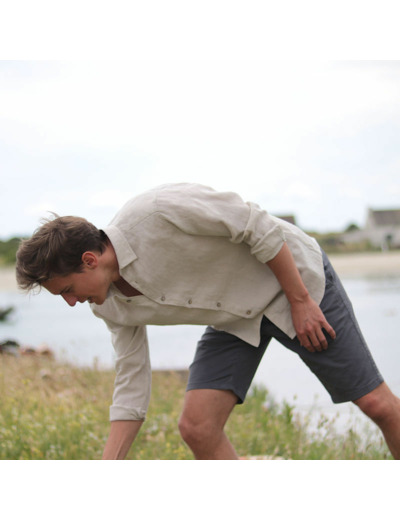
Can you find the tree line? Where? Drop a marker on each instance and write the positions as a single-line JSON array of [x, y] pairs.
[[8, 250]]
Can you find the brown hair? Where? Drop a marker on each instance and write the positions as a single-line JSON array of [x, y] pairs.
[[56, 249]]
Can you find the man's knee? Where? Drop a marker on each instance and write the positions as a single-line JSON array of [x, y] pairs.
[[204, 415], [195, 432], [380, 404]]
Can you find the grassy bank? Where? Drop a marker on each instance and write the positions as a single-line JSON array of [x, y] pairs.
[[53, 411]]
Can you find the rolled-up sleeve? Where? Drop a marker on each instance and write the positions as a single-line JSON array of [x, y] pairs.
[[200, 210], [132, 386]]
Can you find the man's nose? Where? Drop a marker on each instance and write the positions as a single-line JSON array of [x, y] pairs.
[[70, 299]]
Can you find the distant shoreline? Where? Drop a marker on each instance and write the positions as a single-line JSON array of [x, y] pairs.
[[364, 265], [351, 265]]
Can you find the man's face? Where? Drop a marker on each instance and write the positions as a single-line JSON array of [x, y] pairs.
[[90, 285]]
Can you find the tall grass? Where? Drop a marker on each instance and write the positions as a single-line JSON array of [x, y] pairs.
[[55, 411]]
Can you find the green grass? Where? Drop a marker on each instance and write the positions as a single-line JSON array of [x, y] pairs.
[[54, 411]]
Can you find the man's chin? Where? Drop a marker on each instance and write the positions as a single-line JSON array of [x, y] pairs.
[[97, 300]]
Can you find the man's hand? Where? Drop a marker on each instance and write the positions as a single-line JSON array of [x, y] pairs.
[[309, 320]]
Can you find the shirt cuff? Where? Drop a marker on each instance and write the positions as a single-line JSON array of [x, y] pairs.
[[121, 413], [275, 245]]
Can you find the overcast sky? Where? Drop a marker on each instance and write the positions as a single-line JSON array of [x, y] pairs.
[[319, 140]]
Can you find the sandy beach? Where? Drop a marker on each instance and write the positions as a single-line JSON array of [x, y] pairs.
[[361, 265], [7, 279], [354, 265]]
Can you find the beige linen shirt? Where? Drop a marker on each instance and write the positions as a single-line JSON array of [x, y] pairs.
[[198, 257]]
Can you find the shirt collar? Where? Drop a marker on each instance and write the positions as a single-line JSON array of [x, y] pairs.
[[124, 252]]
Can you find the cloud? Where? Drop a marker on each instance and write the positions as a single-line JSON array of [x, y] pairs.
[[38, 210], [302, 192], [88, 135], [108, 199], [154, 105]]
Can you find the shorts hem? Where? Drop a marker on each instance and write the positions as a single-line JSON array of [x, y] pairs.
[[214, 386], [357, 394]]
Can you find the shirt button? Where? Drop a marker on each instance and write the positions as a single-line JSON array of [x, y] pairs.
[[218, 304], [128, 301], [190, 302], [163, 298], [248, 312]]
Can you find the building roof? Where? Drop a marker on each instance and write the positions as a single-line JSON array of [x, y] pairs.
[[385, 217], [289, 218]]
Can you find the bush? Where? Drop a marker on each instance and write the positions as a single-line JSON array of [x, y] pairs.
[[8, 250]]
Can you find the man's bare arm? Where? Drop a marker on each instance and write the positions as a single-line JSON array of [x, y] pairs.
[[122, 435], [308, 319]]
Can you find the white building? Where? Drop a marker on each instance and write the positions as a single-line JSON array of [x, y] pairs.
[[382, 229]]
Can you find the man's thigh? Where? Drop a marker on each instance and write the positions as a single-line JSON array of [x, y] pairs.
[[225, 362], [346, 369]]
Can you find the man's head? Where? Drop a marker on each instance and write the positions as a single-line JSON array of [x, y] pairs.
[[56, 250]]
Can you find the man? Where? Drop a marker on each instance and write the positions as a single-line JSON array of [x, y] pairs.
[[184, 253]]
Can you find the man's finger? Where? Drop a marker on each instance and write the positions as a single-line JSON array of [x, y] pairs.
[[330, 330], [322, 340], [315, 341], [305, 342]]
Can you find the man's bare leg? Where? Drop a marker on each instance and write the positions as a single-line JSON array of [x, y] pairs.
[[383, 407], [202, 422]]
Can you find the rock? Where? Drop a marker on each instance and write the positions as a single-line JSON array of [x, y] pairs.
[[13, 348], [43, 350], [9, 347], [5, 312]]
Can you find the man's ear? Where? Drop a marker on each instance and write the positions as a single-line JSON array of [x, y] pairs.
[[90, 260]]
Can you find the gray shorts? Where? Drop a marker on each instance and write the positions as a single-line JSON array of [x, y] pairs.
[[346, 369]]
